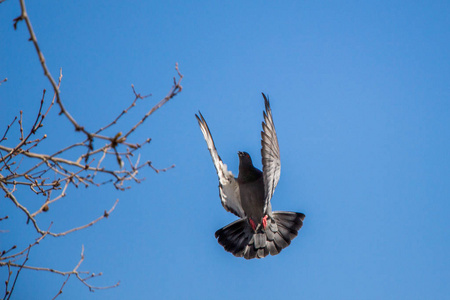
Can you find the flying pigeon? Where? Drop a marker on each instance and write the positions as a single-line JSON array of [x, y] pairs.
[[259, 231]]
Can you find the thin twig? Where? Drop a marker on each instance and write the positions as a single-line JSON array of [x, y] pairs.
[[18, 272], [7, 129], [176, 88], [33, 38], [72, 272], [36, 125]]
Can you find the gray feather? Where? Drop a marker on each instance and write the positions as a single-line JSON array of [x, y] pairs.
[[272, 248], [260, 240]]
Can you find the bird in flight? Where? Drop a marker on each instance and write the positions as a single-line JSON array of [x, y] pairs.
[[259, 231]]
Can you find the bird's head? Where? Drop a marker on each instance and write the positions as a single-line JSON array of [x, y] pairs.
[[244, 158]]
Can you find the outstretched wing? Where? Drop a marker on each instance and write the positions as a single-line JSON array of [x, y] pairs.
[[270, 153], [228, 186]]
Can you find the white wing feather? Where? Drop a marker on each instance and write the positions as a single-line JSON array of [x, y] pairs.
[[270, 154], [228, 186]]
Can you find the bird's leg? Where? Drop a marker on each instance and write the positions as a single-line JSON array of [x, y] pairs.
[[264, 221], [252, 223]]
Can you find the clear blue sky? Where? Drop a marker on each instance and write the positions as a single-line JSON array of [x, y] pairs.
[[360, 93]]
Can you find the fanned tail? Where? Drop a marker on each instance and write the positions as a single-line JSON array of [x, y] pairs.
[[240, 239]]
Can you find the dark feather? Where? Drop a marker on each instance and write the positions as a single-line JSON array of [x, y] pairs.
[[272, 248], [249, 252]]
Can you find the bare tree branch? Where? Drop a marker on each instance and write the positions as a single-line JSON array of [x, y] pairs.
[[50, 177]]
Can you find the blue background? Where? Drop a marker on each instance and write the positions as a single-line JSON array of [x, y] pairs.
[[360, 96]]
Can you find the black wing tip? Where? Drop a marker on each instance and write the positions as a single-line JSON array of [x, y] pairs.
[[201, 120], [301, 216], [199, 114], [266, 101], [218, 233]]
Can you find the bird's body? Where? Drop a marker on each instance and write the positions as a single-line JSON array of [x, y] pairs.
[[251, 188], [259, 231], [252, 197]]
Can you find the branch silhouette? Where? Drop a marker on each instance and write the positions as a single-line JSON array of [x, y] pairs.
[[49, 175]]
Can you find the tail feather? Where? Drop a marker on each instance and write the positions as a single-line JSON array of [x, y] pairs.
[[262, 252], [287, 233], [260, 240], [250, 252], [234, 237], [281, 241], [240, 239], [273, 250], [270, 235]]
